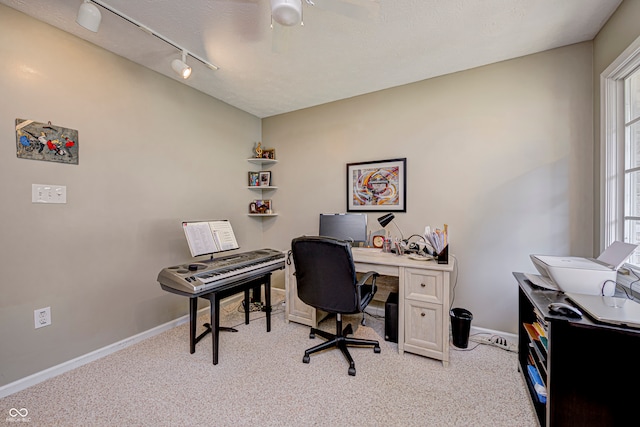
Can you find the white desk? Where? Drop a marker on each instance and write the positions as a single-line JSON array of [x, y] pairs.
[[423, 300]]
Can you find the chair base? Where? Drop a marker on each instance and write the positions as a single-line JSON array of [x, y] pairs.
[[341, 341]]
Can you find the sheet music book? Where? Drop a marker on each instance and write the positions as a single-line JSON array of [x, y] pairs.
[[209, 237]]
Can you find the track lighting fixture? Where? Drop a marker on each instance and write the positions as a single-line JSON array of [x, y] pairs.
[[181, 67], [89, 16]]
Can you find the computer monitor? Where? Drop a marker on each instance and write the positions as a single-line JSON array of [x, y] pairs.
[[344, 226]]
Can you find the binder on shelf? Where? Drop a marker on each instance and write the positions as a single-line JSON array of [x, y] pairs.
[[531, 331], [540, 389], [538, 327], [545, 343]]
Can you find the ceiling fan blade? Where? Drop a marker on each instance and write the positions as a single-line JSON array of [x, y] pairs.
[[361, 10]]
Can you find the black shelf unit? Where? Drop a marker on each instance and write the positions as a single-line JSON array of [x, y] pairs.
[[589, 365]]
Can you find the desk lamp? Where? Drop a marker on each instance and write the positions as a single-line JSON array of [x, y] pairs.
[[384, 220]]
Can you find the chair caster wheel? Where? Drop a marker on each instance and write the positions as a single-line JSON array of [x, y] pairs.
[[306, 359], [312, 336], [352, 372], [376, 349]]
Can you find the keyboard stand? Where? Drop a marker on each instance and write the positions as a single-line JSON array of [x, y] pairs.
[[215, 296]]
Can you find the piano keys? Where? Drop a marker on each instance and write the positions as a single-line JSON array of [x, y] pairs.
[[199, 276]]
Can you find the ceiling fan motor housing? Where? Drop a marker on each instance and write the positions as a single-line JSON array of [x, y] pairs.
[[286, 12]]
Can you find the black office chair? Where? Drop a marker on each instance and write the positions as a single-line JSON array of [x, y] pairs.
[[326, 279]]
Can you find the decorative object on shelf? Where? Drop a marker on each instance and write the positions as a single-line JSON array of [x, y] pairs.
[[260, 207], [258, 150], [269, 154], [379, 185], [265, 179], [44, 141], [254, 179]]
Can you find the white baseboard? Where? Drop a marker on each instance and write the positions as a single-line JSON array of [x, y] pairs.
[[69, 365]]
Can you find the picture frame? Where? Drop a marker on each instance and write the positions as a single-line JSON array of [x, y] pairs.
[[254, 179], [260, 207], [264, 179], [47, 142], [269, 153], [377, 186]]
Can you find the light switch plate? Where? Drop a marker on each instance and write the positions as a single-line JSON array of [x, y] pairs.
[[47, 193]]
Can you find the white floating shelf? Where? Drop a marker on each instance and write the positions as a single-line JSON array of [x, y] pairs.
[[260, 161]]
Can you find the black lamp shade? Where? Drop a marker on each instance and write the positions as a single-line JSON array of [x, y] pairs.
[[384, 220]]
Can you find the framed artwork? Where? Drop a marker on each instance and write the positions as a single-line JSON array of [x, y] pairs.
[[44, 141], [269, 154], [265, 178], [254, 179], [377, 186]]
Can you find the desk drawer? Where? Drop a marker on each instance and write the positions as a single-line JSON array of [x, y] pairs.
[[424, 285], [424, 329]]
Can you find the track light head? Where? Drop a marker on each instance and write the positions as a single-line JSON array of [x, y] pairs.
[[286, 12], [89, 16], [181, 67]]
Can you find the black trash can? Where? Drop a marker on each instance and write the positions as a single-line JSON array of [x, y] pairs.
[[460, 326]]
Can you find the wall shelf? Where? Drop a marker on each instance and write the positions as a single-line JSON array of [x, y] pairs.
[[259, 161], [262, 162]]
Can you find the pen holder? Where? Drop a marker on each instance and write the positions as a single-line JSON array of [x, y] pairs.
[[443, 256]]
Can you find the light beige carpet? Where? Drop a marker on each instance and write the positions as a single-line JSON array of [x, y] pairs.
[[261, 381]]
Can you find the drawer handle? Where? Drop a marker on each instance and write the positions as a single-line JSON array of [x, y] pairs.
[[422, 314], [423, 285]]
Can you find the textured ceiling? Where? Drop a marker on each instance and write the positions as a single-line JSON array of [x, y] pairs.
[[336, 54]]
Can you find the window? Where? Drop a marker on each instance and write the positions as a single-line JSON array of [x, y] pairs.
[[620, 130]]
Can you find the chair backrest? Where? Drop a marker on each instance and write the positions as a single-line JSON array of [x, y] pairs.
[[325, 274]]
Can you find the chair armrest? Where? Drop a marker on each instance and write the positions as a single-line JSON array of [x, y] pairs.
[[363, 280]]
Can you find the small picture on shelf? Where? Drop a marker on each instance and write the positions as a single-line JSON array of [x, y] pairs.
[[269, 154], [265, 178], [254, 179], [260, 207]]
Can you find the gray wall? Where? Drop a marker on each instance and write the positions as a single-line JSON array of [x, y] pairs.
[[502, 153], [153, 152]]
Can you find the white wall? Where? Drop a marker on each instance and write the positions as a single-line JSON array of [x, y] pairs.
[[153, 152], [502, 154]]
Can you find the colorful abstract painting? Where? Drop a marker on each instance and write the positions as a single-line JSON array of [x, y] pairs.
[[377, 186], [44, 141]]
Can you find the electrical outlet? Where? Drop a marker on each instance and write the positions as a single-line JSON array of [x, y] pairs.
[[42, 317], [496, 341]]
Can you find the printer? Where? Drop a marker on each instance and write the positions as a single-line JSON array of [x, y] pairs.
[[585, 275]]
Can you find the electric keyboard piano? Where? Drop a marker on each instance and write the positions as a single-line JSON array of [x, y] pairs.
[[199, 276]]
